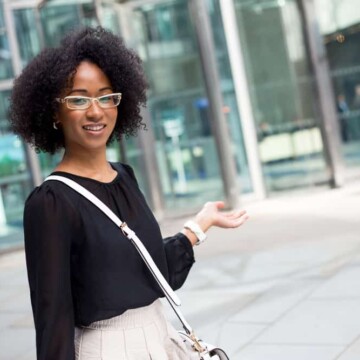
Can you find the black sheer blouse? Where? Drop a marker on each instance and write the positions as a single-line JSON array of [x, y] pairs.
[[81, 267]]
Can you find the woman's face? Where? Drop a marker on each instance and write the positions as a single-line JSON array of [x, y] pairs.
[[89, 129]]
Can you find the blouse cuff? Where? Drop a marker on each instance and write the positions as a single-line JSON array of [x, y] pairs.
[[185, 242]]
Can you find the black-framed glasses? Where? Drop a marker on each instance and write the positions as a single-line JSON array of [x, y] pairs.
[[77, 102]]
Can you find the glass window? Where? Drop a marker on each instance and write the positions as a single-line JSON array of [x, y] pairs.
[[6, 70], [135, 158], [14, 180], [57, 20], [340, 28], [281, 88], [229, 97], [36, 28], [109, 17], [53, 21], [29, 42], [4, 107], [185, 147]]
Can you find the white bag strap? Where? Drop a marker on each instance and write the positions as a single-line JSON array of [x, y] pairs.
[[167, 290]]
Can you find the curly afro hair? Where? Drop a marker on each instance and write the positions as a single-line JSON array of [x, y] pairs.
[[32, 106]]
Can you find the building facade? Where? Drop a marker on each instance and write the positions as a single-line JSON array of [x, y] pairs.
[[246, 97]]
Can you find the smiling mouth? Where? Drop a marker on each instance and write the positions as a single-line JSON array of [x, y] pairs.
[[94, 127]]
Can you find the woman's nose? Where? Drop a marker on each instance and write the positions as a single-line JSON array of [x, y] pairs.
[[95, 109]]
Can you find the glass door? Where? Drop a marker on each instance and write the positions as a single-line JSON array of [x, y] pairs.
[[282, 94], [37, 28], [340, 28], [184, 143], [15, 182], [33, 29], [229, 97]]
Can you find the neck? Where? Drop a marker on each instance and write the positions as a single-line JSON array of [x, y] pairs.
[[93, 165]]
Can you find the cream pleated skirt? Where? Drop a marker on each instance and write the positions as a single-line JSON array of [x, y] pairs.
[[137, 334]]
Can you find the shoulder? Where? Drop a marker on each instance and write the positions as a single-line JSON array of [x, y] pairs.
[[125, 169], [51, 194]]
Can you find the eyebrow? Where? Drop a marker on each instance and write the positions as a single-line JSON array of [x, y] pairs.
[[85, 91]]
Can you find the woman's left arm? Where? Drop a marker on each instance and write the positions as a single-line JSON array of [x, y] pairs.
[[179, 248]]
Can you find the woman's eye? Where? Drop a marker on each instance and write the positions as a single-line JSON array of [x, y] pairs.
[[78, 101], [105, 99]]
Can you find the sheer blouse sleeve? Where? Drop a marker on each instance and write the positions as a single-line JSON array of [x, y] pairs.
[[48, 227], [180, 258]]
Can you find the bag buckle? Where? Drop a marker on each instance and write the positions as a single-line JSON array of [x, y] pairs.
[[122, 226], [196, 343]]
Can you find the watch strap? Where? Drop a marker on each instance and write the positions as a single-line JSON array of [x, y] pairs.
[[196, 230]]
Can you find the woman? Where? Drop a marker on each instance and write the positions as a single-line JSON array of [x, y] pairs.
[[87, 281]]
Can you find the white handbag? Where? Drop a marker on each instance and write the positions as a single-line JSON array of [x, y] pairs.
[[192, 342]]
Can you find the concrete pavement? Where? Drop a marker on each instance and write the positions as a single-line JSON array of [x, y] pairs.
[[283, 287]]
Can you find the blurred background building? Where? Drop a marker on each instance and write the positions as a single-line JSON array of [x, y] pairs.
[[247, 98]]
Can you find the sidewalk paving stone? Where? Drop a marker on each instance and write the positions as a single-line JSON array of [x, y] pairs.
[[16, 342], [275, 302], [289, 352], [352, 352], [231, 336], [345, 284], [316, 322]]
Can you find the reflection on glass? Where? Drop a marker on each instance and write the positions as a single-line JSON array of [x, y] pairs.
[[135, 159], [6, 71], [27, 34], [185, 148], [229, 98], [49, 162], [14, 178], [281, 88], [51, 23], [12, 159], [340, 27], [109, 17], [36, 28], [57, 20], [4, 107]]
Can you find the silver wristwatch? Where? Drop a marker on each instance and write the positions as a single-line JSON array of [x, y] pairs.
[[195, 228]]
